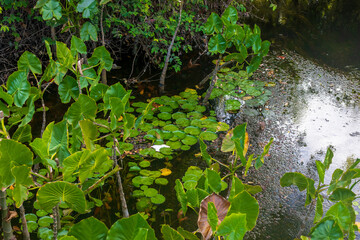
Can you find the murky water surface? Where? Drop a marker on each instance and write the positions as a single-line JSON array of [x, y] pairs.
[[313, 107]]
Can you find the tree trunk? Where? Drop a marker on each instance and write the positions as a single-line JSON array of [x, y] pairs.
[[163, 74], [6, 224], [213, 81], [26, 234]]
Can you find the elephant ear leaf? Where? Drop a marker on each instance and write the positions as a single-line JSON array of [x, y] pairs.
[[294, 178], [89, 228], [54, 193]]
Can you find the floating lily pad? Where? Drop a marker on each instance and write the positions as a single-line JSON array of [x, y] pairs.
[[145, 127], [144, 187], [167, 135], [171, 127], [165, 98], [144, 164], [148, 117], [178, 115], [232, 105], [164, 116], [147, 151], [139, 104], [150, 137], [159, 101], [134, 133], [188, 106], [155, 132], [135, 169], [200, 108], [194, 115], [143, 204], [150, 192], [126, 146], [139, 110], [197, 123], [158, 155], [222, 127], [174, 145], [165, 109], [180, 134], [183, 122], [138, 193], [159, 142], [174, 138], [161, 181], [172, 104], [189, 140], [158, 199], [185, 147], [142, 180], [166, 151], [208, 135], [192, 130]]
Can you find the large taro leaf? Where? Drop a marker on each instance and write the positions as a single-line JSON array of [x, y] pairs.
[[18, 86], [341, 214], [247, 204], [77, 46], [22, 180], [213, 23], [217, 44], [87, 8], [64, 55], [213, 180], [98, 91], [23, 134], [181, 195], [59, 141], [51, 194], [31, 111], [170, 234], [236, 187], [233, 227], [89, 133], [12, 154], [84, 108], [326, 230], [116, 90], [342, 194], [51, 9], [88, 31], [221, 205], [328, 158], [230, 15], [89, 228], [28, 61], [103, 56], [294, 178], [68, 88], [129, 228]]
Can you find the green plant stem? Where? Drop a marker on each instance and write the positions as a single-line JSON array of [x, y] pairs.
[[40, 176], [102, 179], [213, 81], [26, 234], [121, 190], [6, 223], [163, 74]]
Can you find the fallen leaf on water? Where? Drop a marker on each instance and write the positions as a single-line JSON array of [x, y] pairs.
[[165, 172]]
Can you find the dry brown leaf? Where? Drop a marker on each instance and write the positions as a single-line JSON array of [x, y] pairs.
[[11, 215], [222, 206]]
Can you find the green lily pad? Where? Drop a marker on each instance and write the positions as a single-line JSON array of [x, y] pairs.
[[145, 127], [194, 115], [189, 140], [142, 180], [158, 155], [183, 122], [180, 134], [208, 135], [161, 181], [166, 151], [144, 164], [178, 115], [147, 151], [150, 137], [200, 108], [172, 104], [164, 116], [167, 134], [158, 199], [174, 145], [150, 192], [197, 123], [165, 109], [188, 106], [171, 127], [139, 110], [138, 193], [148, 116], [159, 142], [192, 130], [185, 147], [139, 104], [232, 105]]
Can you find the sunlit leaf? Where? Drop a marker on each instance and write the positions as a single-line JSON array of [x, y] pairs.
[[233, 227], [28, 61], [18, 86], [89, 228], [88, 31], [170, 234]]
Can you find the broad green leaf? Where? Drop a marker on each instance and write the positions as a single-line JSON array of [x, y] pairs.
[[116, 90], [228, 144], [31, 111], [247, 204], [187, 234], [19, 87], [103, 56], [240, 151], [28, 61], [68, 88], [59, 141], [205, 155], [77, 46], [89, 77], [294, 178], [254, 64], [217, 44], [64, 55], [23, 134], [89, 132], [181, 195], [236, 187], [60, 72], [170, 234], [328, 158], [6, 97], [89, 228], [342, 194], [87, 8], [214, 180], [212, 216], [213, 23], [233, 227], [84, 108], [51, 194], [321, 170], [41, 145], [318, 209], [51, 9], [20, 194], [117, 106], [248, 164], [256, 44], [230, 15], [128, 228], [265, 46], [239, 58], [341, 215], [71, 164], [252, 189], [12, 154], [40, 3], [22, 180], [310, 191], [98, 91], [88, 31], [327, 230], [141, 234], [45, 221], [49, 73]]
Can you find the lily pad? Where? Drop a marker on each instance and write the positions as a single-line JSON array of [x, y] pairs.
[[180, 134], [171, 127], [158, 199], [193, 130], [189, 140], [150, 192], [161, 181], [174, 145], [194, 115], [172, 104], [164, 116], [188, 106], [144, 164], [200, 108], [208, 136], [139, 104], [138, 193], [145, 127], [185, 147], [197, 123], [183, 122], [166, 151], [167, 134], [165, 109], [150, 137], [178, 115]]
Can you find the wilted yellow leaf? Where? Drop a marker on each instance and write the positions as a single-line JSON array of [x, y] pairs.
[[247, 98], [165, 172], [246, 145]]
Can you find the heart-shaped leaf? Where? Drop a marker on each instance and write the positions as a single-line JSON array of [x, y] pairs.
[[28, 61], [18, 86], [89, 228]]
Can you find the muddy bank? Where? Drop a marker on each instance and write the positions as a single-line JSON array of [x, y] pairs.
[[313, 107]]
